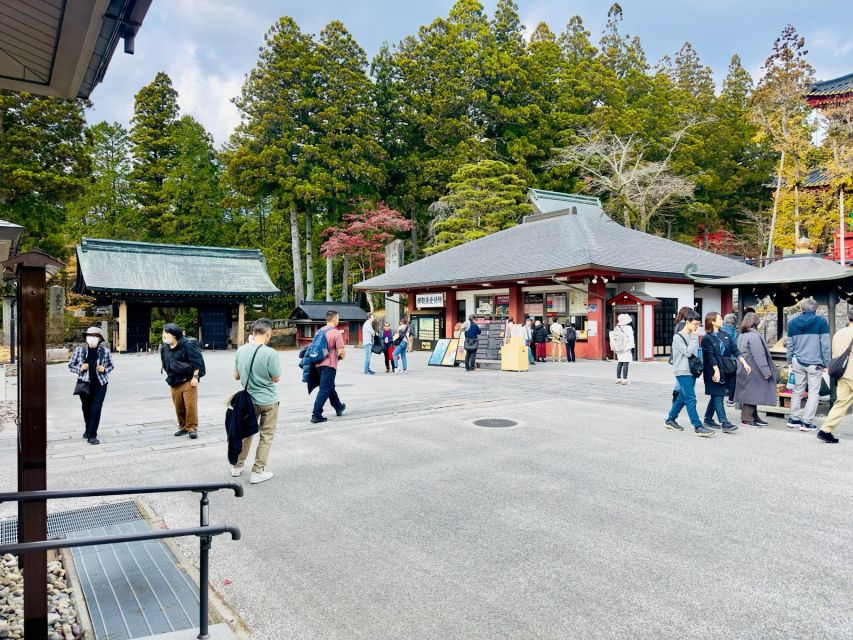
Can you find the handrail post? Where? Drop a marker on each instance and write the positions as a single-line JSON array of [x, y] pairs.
[[204, 543]]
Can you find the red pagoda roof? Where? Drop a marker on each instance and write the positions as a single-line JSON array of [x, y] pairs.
[[829, 92]]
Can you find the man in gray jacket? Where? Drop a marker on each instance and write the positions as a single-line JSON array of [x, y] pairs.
[[809, 353], [685, 343]]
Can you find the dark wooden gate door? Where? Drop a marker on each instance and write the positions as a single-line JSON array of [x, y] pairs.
[[138, 327], [214, 327]]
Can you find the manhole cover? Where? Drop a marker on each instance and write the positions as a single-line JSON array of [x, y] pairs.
[[495, 423]]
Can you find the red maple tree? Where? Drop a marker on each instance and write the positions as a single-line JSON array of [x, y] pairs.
[[363, 237]]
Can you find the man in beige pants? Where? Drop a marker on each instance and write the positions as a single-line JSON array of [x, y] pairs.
[[260, 383], [840, 343]]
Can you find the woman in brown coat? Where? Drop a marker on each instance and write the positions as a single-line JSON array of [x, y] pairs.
[[756, 378]]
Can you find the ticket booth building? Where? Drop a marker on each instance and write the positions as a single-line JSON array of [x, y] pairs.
[[570, 261]]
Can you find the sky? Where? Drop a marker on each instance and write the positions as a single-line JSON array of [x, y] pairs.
[[208, 46]]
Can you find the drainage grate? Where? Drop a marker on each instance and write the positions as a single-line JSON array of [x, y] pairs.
[[495, 423], [64, 522]]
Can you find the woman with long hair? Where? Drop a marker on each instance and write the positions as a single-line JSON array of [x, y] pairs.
[[756, 373], [718, 357]]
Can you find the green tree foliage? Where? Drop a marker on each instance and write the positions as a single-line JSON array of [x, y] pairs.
[[155, 115], [192, 191], [43, 164], [482, 198], [106, 204]]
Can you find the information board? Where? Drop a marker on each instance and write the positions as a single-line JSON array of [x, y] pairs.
[[438, 353], [491, 339]]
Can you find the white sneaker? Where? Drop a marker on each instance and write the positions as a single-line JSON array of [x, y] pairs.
[[618, 380], [236, 471], [624, 381], [263, 476], [397, 370]]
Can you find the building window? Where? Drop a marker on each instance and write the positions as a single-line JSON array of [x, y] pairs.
[[484, 305], [534, 304], [555, 304], [665, 313]]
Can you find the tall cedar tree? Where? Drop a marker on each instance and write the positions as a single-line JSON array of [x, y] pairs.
[[43, 164], [106, 204], [153, 144], [271, 153], [191, 190]]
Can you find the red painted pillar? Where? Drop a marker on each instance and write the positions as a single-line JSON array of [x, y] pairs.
[[410, 303], [726, 301], [516, 304], [596, 344], [449, 312]]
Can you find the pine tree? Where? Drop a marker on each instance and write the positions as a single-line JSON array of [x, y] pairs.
[[482, 198], [152, 138]]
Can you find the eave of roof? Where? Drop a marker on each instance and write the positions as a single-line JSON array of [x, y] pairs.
[[833, 87], [797, 268]]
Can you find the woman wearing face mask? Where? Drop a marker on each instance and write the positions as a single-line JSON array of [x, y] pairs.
[[92, 364]]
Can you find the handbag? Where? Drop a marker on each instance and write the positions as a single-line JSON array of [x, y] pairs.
[[837, 366], [472, 344], [696, 366], [729, 364], [376, 347], [81, 388]]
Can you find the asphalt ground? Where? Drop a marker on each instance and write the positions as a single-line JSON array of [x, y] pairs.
[[401, 519]]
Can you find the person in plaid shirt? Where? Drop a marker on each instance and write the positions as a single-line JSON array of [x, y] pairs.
[[92, 389]]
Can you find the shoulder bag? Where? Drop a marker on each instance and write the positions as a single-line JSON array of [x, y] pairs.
[[729, 364], [837, 366], [696, 366]]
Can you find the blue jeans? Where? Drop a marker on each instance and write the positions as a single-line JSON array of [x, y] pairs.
[[400, 354], [715, 403], [530, 352], [686, 398], [327, 391], [368, 351]]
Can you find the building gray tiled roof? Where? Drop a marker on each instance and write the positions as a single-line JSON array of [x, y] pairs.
[[105, 266], [313, 310], [569, 233]]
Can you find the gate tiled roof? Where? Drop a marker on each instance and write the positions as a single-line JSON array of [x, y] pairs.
[[118, 266]]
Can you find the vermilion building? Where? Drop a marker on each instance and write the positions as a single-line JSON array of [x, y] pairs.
[[568, 260]]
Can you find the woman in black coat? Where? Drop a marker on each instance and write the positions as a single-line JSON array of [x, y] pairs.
[[718, 357], [540, 337]]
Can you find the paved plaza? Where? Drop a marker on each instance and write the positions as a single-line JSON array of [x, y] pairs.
[[402, 519]]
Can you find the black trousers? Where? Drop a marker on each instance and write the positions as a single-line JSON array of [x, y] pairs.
[[326, 391], [470, 359], [570, 351], [92, 403]]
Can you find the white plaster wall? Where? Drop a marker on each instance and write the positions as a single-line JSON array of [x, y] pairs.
[[712, 299], [683, 292], [648, 330]]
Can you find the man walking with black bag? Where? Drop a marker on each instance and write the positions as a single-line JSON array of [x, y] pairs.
[[257, 365], [841, 345]]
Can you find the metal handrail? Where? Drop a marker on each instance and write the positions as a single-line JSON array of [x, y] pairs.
[[62, 543], [204, 531], [34, 496]]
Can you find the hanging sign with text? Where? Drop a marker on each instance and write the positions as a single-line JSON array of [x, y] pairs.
[[429, 300]]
